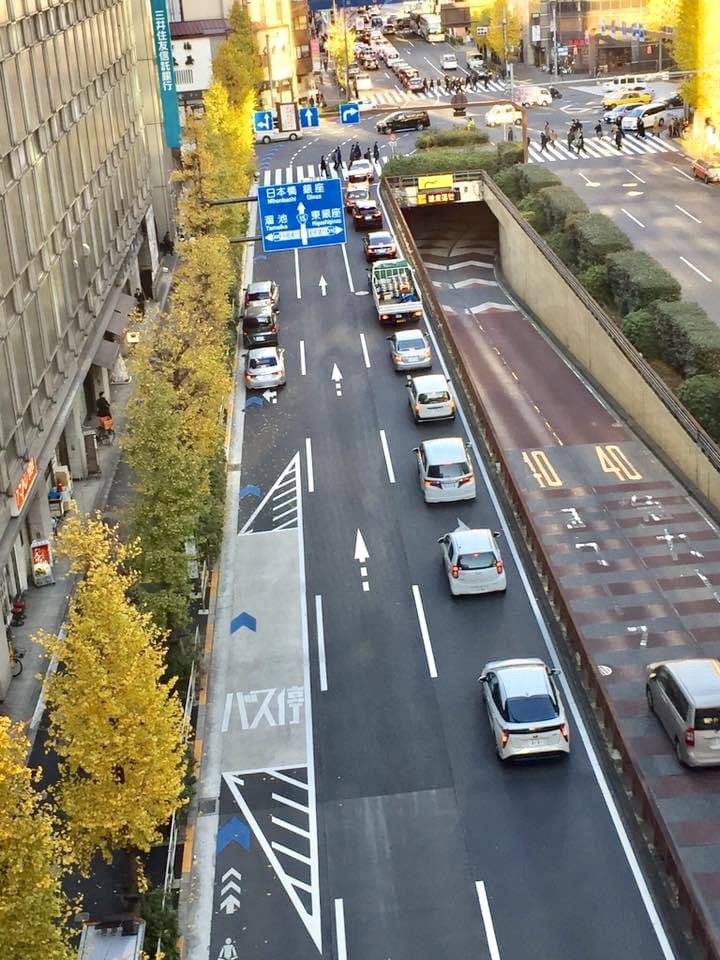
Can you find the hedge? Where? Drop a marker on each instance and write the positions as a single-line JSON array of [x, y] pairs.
[[508, 181], [509, 154], [532, 178], [559, 241], [701, 397], [595, 236], [636, 280], [458, 137], [688, 339], [639, 328], [441, 160], [556, 205], [594, 279]]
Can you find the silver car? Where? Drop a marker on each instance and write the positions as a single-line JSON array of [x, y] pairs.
[[523, 705], [685, 697], [259, 297], [444, 470], [472, 561], [264, 367], [410, 350]]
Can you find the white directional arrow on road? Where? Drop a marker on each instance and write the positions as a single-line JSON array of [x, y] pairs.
[[270, 396], [336, 375], [230, 886], [322, 283], [361, 551], [230, 904]]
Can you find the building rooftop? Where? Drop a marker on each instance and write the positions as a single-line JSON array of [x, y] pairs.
[[198, 28]]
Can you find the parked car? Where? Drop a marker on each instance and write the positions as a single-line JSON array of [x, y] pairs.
[[264, 368], [379, 245], [472, 561], [403, 120], [260, 295], [444, 470], [260, 330], [684, 695], [706, 169]]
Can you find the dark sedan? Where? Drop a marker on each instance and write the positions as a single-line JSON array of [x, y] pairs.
[[366, 215], [379, 245]]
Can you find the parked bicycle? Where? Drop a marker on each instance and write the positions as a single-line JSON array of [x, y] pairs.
[[16, 663]]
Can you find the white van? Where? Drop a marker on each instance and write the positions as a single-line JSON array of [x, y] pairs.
[[652, 114], [630, 82], [533, 96], [502, 113], [449, 61], [270, 136], [363, 81]]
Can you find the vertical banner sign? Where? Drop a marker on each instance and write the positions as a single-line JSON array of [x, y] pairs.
[[166, 73]]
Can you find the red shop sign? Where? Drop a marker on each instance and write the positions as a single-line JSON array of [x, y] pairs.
[[22, 490]]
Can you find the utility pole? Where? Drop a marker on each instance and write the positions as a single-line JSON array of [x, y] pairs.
[[269, 65], [554, 37], [505, 45], [347, 59]]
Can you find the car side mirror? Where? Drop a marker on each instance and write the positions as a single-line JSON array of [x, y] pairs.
[[468, 445], [496, 533], [416, 449], [408, 381], [652, 676], [442, 540], [554, 672], [482, 679], [388, 338]]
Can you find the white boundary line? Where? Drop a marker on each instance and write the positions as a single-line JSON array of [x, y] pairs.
[[308, 458], [347, 267], [366, 355], [320, 629], [487, 921], [424, 632], [303, 369], [340, 930], [696, 269], [386, 454], [298, 290], [634, 219], [687, 213]]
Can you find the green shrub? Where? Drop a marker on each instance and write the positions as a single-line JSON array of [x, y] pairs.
[[556, 205], [637, 279], [455, 137], [701, 397], [595, 236], [529, 207], [639, 328], [533, 177], [507, 181], [509, 154], [160, 924], [559, 241], [441, 160], [687, 338], [594, 278]]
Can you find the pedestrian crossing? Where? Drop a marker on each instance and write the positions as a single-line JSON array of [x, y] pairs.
[[602, 148], [295, 173], [394, 97]]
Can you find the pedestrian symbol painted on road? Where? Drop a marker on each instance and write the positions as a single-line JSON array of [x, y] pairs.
[[262, 121], [349, 113], [309, 117], [297, 215]]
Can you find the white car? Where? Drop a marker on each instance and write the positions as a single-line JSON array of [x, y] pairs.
[[410, 350], [449, 61], [524, 708], [444, 470], [361, 170], [472, 561], [264, 368], [363, 81], [270, 136], [502, 113], [430, 398]]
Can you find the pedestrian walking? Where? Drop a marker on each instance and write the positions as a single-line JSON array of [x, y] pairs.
[[543, 141], [570, 137], [102, 407], [640, 132], [486, 81], [338, 157], [599, 130], [619, 129], [618, 138], [376, 152], [367, 155], [553, 138], [546, 128], [140, 301], [580, 143], [323, 166]]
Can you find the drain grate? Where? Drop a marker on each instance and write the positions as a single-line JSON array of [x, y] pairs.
[[207, 805]]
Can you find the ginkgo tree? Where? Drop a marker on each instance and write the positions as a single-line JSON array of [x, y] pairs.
[[115, 722], [34, 912], [504, 30]]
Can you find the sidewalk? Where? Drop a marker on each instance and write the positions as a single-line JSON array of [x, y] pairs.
[[47, 606]]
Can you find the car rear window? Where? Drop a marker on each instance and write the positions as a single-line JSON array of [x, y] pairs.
[[707, 718], [264, 320], [533, 709], [448, 471], [418, 344], [258, 363], [434, 396], [256, 295], [477, 561]]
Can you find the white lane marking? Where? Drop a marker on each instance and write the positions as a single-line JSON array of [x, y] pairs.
[[289, 803], [487, 921], [320, 629], [340, 930], [303, 369], [386, 454], [347, 268], [635, 219], [693, 267], [683, 174], [290, 853], [436, 69], [424, 632], [635, 176], [298, 291], [366, 587], [687, 213], [366, 356], [308, 457], [605, 791], [291, 827]]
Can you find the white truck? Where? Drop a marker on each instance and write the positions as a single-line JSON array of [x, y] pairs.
[[395, 292]]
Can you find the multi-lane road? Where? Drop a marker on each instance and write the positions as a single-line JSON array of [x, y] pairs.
[[351, 804]]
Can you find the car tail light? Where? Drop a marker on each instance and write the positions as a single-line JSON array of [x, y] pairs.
[[499, 566], [417, 408], [452, 404], [690, 737], [417, 313], [455, 571], [384, 316], [432, 483], [248, 376], [464, 480], [564, 731], [426, 354], [504, 737]]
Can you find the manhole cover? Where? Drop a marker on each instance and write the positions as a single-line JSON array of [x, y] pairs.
[[604, 671]]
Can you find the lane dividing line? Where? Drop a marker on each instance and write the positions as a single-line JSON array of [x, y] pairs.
[[687, 213], [298, 291], [386, 454], [429, 655], [487, 921], [683, 174], [340, 930], [308, 458], [697, 271], [634, 219], [366, 355], [320, 629], [303, 368], [635, 176], [347, 267]]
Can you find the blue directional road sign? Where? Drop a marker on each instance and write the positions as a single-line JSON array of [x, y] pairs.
[[309, 117], [262, 121], [297, 215], [349, 113]]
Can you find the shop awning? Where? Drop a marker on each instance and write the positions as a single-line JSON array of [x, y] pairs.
[[118, 320], [107, 354]]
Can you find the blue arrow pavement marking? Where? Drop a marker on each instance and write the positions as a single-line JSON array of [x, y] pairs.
[[243, 619], [253, 402], [234, 831], [250, 490]]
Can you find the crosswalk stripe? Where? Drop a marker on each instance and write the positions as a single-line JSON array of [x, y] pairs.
[[280, 175], [601, 148]]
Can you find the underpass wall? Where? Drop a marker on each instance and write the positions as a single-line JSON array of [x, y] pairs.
[[551, 292]]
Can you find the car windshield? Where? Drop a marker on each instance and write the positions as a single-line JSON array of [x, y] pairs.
[[448, 471], [264, 320], [477, 561], [258, 363], [258, 296], [707, 718], [416, 344], [434, 396], [532, 709]]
